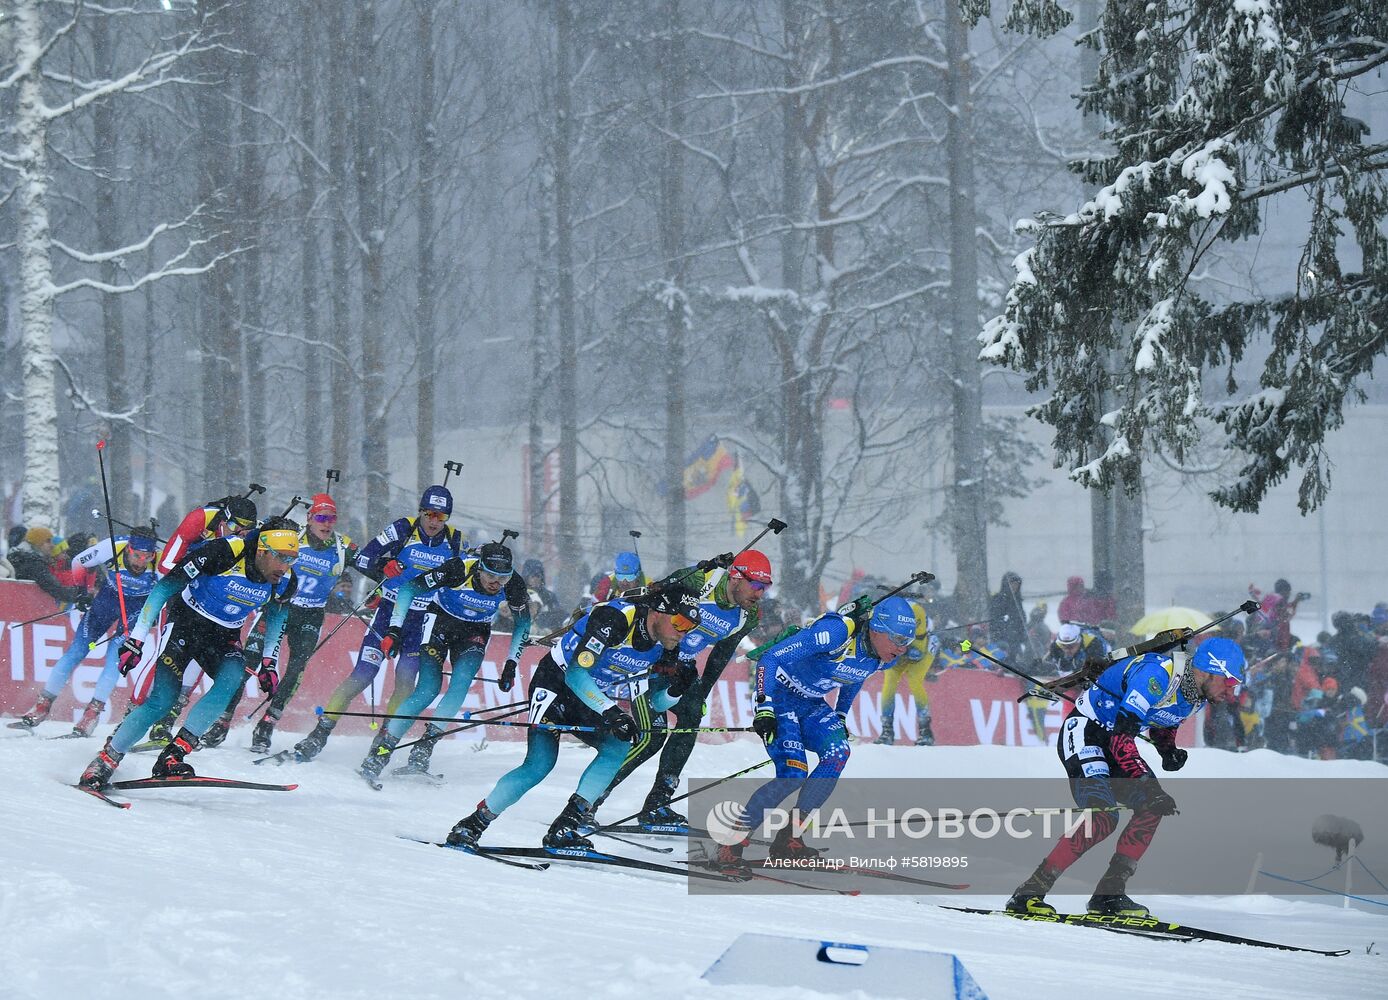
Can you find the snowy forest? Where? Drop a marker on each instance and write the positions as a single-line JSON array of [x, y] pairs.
[[256, 240]]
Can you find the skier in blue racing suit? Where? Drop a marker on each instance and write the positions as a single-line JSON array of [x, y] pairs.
[[1098, 743], [794, 678]]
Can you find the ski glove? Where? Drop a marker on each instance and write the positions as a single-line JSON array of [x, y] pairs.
[[1173, 758], [721, 561], [390, 640], [508, 675], [682, 678], [619, 724], [131, 652], [764, 724], [268, 677], [393, 568], [83, 602]]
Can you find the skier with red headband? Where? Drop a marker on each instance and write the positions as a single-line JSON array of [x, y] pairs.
[[728, 602]]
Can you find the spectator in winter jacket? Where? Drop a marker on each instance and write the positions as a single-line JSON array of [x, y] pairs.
[[31, 561], [1103, 605], [1076, 606], [1355, 647], [1007, 620]]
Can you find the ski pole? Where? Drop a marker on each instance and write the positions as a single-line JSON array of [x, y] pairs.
[[465, 717], [635, 542], [347, 617], [467, 725], [34, 621], [681, 798], [153, 525], [775, 525], [115, 555]]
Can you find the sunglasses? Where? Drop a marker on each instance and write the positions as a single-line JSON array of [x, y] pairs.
[[683, 624], [242, 523], [325, 518], [757, 585]]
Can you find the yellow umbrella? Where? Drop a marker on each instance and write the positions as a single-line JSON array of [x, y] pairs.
[[1159, 621]]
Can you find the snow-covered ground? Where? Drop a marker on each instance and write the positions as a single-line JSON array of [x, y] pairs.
[[310, 894]]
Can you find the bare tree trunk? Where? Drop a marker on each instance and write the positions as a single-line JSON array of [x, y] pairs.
[[539, 344], [108, 214], [41, 500], [366, 136], [568, 346], [426, 157], [311, 356], [1115, 516], [341, 386], [250, 179], [970, 528], [671, 225]]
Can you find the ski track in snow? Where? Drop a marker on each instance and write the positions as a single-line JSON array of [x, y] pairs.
[[214, 893]]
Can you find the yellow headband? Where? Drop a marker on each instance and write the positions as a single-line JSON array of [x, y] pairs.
[[282, 541]]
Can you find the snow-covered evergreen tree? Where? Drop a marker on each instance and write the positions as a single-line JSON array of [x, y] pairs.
[[1214, 109]]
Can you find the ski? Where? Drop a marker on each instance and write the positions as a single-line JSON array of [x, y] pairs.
[[198, 781], [745, 874], [422, 776], [376, 786], [283, 757], [96, 794], [1146, 927], [149, 745], [21, 724], [653, 848], [582, 855], [542, 866], [70, 736], [653, 830]]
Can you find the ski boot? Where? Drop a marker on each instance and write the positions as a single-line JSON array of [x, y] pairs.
[[421, 752], [170, 763], [661, 815], [563, 832], [37, 714], [91, 715], [729, 859], [103, 765], [1030, 897], [789, 847], [888, 736], [1110, 897], [162, 731], [261, 735], [925, 736], [467, 830], [312, 745], [377, 757], [216, 733]]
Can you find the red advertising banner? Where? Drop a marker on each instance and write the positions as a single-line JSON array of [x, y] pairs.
[[967, 707]]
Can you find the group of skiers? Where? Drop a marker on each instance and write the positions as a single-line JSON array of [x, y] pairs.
[[611, 676]]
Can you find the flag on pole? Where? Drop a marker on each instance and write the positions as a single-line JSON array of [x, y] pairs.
[[743, 501], [705, 466]]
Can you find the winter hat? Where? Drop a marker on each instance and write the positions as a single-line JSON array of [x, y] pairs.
[[627, 566], [322, 504], [38, 535], [752, 565], [1069, 633], [1358, 694], [17, 534]]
